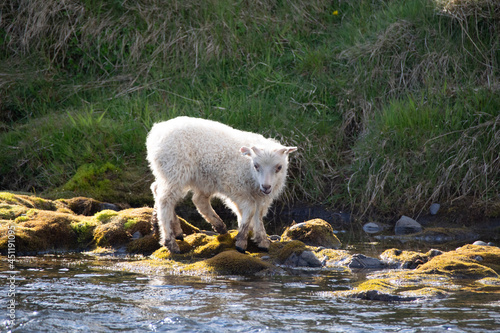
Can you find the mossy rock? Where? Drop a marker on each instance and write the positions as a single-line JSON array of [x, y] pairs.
[[467, 262], [11, 211], [332, 256], [144, 245], [230, 262], [216, 244], [83, 206], [198, 239], [188, 228], [375, 290], [283, 250], [112, 233], [407, 259], [426, 292], [29, 201], [43, 230], [315, 232]]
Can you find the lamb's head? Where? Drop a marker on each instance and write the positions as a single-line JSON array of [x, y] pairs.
[[269, 166]]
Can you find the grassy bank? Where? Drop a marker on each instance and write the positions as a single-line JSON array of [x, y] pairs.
[[394, 104]]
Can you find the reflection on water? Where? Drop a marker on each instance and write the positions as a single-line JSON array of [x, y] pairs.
[[78, 294]]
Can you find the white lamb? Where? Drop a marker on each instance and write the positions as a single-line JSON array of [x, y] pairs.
[[210, 159]]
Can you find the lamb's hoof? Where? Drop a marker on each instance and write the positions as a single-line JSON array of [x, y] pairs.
[[263, 249], [221, 229], [241, 250], [180, 237], [172, 247]]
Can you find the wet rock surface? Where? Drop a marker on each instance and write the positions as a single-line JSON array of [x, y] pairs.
[[394, 275], [315, 232]]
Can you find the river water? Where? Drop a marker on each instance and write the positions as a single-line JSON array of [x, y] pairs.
[[78, 293]]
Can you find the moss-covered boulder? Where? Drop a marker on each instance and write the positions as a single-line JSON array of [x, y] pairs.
[[407, 259], [230, 262], [40, 231], [471, 268], [315, 232], [466, 262]]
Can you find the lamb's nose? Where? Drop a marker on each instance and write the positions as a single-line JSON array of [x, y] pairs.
[[266, 189]]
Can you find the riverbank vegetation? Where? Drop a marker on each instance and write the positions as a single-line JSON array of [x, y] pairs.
[[394, 104]]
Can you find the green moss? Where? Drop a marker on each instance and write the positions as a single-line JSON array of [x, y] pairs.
[[105, 215], [11, 212], [92, 179], [20, 219], [162, 253], [8, 197], [130, 223], [84, 231]]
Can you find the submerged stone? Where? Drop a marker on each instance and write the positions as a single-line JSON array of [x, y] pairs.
[[360, 261], [372, 228], [304, 259], [406, 225], [315, 232]]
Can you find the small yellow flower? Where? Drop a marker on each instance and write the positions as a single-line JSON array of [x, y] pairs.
[[335, 12]]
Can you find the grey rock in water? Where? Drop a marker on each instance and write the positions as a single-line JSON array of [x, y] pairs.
[[109, 206], [480, 243], [305, 259], [137, 235], [434, 208], [407, 225], [372, 228], [362, 262]]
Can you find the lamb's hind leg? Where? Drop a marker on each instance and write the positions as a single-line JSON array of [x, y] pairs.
[[165, 201], [202, 203]]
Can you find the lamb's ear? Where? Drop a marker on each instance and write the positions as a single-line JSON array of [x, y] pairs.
[[287, 150], [245, 151], [256, 150]]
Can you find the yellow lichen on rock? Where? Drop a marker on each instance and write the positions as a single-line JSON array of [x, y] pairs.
[[407, 259], [229, 262], [216, 244], [315, 232], [467, 262]]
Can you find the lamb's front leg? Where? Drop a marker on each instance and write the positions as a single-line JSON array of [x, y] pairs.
[[260, 236], [248, 212]]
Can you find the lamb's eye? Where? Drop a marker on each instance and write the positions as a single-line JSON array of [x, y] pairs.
[[256, 166], [278, 168]]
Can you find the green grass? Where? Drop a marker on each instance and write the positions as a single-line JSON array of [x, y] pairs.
[[393, 104]]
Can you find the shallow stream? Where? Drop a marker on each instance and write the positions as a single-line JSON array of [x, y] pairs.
[[79, 293]]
